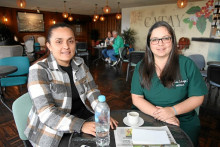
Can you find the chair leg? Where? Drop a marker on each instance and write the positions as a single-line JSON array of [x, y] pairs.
[[127, 72], [217, 93], [5, 103]]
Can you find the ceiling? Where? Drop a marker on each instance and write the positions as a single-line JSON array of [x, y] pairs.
[[85, 7]]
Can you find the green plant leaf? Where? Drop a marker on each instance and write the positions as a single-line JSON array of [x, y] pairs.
[[201, 24], [186, 20], [210, 18], [193, 10], [190, 24]]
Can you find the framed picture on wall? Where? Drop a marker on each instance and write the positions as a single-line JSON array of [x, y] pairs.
[[30, 22]]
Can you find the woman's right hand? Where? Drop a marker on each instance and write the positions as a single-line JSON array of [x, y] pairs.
[[89, 128], [173, 121]]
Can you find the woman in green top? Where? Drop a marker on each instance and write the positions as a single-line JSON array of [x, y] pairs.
[[166, 85]]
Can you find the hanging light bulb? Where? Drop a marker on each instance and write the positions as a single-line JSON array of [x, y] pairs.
[[70, 18], [65, 14], [102, 18], [106, 9], [182, 3], [54, 21], [94, 20], [21, 3], [96, 16], [5, 19], [118, 15]]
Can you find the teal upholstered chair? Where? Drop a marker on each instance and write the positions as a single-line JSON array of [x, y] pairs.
[[21, 108], [19, 77]]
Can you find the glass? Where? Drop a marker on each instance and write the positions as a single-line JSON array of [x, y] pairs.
[[155, 41]]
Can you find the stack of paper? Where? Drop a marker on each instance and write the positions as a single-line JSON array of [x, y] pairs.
[[144, 136]]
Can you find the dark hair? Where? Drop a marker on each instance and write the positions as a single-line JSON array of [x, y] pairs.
[[171, 71], [58, 25]]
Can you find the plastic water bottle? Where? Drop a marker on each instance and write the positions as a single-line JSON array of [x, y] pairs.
[[102, 122]]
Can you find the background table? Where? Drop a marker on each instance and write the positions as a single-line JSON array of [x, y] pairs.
[[99, 48], [178, 134], [213, 62], [4, 71]]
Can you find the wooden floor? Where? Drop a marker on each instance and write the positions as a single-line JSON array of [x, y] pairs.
[[112, 84]]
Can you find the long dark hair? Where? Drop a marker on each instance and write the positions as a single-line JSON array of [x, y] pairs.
[[170, 72]]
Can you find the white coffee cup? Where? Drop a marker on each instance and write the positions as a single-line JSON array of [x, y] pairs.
[[102, 44], [132, 117]]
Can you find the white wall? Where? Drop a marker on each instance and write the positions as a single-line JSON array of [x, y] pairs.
[[142, 18]]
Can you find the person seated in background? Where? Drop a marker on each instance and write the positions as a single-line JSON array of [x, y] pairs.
[[116, 44], [59, 87], [108, 45], [166, 85]]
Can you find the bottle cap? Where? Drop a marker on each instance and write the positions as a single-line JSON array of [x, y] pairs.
[[101, 98]]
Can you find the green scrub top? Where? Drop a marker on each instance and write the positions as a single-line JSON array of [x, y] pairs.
[[191, 84]]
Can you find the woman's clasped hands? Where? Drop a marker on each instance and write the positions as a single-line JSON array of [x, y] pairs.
[[166, 114]]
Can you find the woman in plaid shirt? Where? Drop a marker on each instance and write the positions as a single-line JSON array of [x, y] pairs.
[[59, 87]]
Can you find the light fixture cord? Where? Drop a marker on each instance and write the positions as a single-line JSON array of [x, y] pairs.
[[118, 7], [64, 6]]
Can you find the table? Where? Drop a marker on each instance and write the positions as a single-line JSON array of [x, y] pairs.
[[213, 62], [99, 48], [179, 135], [4, 71]]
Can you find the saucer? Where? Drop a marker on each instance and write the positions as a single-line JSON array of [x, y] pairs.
[[140, 122]]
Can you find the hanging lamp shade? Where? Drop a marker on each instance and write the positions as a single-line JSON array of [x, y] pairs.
[[102, 18], [94, 20], [182, 3], [21, 3], [96, 16], [70, 18], [65, 14], [107, 9], [118, 15]]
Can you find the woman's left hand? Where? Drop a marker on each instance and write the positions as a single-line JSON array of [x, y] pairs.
[[163, 113], [113, 123]]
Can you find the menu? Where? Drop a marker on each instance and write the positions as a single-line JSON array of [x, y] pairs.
[[123, 137]]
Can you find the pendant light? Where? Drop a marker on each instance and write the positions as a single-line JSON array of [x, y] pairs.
[[107, 9], [118, 15], [21, 3], [65, 14], [102, 18], [182, 3], [96, 16], [70, 18]]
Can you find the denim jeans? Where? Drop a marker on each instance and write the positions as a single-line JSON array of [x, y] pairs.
[[104, 53], [111, 54]]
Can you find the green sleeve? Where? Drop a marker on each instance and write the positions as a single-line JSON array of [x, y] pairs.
[[118, 43], [135, 84], [197, 86]]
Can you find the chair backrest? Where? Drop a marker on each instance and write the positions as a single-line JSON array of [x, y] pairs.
[[199, 60], [136, 56], [120, 52], [10, 51], [29, 45], [20, 109], [213, 74], [36, 46], [41, 40], [21, 62], [81, 46]]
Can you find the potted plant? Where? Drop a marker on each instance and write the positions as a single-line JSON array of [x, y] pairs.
[[129, 37]]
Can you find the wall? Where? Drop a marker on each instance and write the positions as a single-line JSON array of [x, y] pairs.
[[141, 18], [80, 21]]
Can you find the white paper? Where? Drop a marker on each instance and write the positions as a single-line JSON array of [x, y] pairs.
[[122, 140], [143, 136]]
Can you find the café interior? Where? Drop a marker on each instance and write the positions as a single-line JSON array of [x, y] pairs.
[[24, 26]]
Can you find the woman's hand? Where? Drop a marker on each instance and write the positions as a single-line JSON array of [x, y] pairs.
[[173, 121], [89, 128], [113, 123], [164, 113]]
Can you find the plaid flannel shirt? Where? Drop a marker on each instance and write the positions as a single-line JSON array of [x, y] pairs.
[[50, 90]]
